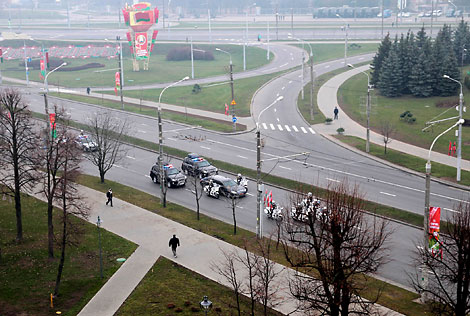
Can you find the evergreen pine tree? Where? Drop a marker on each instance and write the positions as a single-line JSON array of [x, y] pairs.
[[408, 59], [421, 83], [461, 41], [390, 81], [379, 57], [445, 63], [449, 67], [421, 38]]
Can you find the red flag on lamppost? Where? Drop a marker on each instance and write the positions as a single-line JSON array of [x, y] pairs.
[[226, 109], [434, 227], [117, 77]]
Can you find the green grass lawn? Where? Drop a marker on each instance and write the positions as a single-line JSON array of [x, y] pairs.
[[27, 276], [160, 71], [169, 283], [328, 51], [168, 115], [209, 98], [352, 100]]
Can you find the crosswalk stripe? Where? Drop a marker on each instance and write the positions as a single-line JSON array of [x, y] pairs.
[[311, 130], [280, 127], [272, 127], [287, 128], [265, 126], [295, 128], [303, 130]]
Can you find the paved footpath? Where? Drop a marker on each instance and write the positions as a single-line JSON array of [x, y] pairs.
[[151, 232], [327, 100]]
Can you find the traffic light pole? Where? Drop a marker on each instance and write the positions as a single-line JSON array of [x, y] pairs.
[[233, 97]]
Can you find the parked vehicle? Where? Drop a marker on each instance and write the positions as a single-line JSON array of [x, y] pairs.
[[195, 165], [173, 177], [386, 13], [274, 211], [227, 186]]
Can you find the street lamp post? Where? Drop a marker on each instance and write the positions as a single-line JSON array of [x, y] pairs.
[[311, 72], [98, 225], [346, 27], [46, 106], [246, 35], [267, 39], [121, 70], [205, 304], [231, 86], [369, 88], [258, 170], [160, 142], [26, 63], [427, 193], [459, 148], [1, 78]]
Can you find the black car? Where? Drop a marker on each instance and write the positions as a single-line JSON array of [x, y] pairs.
[[228, 187], [195, 165], [173, 177]]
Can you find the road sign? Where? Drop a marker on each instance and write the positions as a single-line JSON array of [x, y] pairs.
[[233, 102], [234, 119]]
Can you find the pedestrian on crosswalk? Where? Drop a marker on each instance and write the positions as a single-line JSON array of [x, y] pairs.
[[336, 111]]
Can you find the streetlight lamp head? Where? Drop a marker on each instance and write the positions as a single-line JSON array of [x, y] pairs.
[[350, 66], [280, 98], [205, 303], [64, 64], [446, 76], [217, 49], [461, 121], [186, 78]]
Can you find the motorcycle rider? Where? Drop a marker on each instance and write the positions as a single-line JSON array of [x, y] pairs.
[[239, 179]]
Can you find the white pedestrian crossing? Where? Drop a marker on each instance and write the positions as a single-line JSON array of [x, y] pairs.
[[287, 128]]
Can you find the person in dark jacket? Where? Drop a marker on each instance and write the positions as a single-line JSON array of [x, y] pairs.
[[109, 195], [336, 111], [174, 243]]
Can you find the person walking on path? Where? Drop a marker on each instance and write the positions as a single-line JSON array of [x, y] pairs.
[[109, 195], [336, 111], [174, 243]]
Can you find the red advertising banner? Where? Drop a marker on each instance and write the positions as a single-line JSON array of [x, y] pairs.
[[434, 227], [117, 78], [42, 73], [141, 46], [52, 120]]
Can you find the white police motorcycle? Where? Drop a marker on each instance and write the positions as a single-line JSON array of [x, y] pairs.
[[213, 191], [241, 180], [274, 211]]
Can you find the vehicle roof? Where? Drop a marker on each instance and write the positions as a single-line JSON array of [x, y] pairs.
[[219, 177], [193, 155]]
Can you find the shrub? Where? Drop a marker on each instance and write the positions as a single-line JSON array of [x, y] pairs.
[[466, 82], [171, 305], [196, 89], [407, 116], [340, 130], [184, 53], [354, 46], [178, 310], [328, 120]]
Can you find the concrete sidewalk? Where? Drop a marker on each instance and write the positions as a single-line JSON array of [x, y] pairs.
[[327, 100], [198, 252]]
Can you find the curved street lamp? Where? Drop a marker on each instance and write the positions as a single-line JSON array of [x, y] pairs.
[[345, 39], [231, 86], [459, 148], [160, 141], [258, 169]]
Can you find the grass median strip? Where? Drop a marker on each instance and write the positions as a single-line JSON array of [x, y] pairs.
[[393, 297]]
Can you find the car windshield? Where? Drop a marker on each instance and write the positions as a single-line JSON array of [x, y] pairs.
[[229, 183], [203, 163], [172, 171]]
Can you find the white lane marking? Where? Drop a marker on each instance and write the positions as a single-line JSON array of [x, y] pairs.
[[342, 62], [334, 180], [280, 127], [285, 168], [311, 130], [283, 65], [275, 110], [283, 88], [300, 76], [272, 126], [250, 194], [303, 130], [129, 157], [173, 139], [239, 207], [287, 128], [292, 58], [204, 147], [242, 157], [295, 128], [361, 58], [277, 119], [290, 81], [277, 94], [327, 66], [141, 131], [147, 176], [323, 168], [389, 194], [453, 211], [265, 126], [143, 124]]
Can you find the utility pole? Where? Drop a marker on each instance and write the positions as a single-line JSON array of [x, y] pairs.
[[312, 79], [163, 9], [382, 17], [26, 63], [292, 20], [233, 97], [160, 160], [368, 116], [118, 38], [268, 52], [258, 181], [432, 14], [277, 25]]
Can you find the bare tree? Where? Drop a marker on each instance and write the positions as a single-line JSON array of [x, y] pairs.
[[108, 132], [449, 272], [227, 269], [53, 158], [333, 252], [387, 130], [196, 190], [18, 149], [69, 199], [233, 203], [250, 263]]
